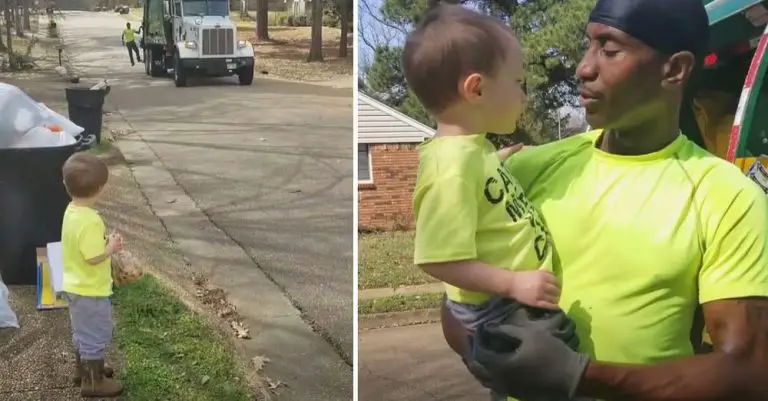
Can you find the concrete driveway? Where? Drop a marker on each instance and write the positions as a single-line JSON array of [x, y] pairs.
[[412, 363], [270, 165]]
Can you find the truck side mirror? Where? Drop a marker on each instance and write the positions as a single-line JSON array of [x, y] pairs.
[[167, 7]]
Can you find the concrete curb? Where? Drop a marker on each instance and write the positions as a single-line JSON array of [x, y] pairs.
[[395, 319], [374, 321], [377, 293], [280, 332]]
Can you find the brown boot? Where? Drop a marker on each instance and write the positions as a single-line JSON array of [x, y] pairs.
[[79, 371], [96, 384]]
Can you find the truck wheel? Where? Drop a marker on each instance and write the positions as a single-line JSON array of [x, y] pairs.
[[245, 76], [179, 75], [154, 70]]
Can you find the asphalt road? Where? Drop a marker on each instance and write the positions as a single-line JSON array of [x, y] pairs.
[[270, 165]]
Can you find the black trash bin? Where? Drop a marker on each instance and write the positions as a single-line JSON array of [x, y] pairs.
[[32, 204], [85, 109]]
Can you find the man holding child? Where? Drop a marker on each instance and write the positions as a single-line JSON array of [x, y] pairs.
[[646, 230]]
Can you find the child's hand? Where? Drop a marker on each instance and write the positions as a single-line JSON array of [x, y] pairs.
[[504, 153], [537, 288], [114, 243]]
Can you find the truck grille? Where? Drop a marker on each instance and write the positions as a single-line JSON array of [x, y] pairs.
[[218, 41]]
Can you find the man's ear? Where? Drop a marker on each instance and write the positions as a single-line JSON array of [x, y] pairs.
[[471, 88], [677, 70]]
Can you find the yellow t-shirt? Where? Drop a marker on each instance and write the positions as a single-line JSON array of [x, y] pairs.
[[468, 207], [82, 238], [129, 35], [642, 240]]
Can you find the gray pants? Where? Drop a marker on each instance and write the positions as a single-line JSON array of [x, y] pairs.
[[496, 310], [91, 319]]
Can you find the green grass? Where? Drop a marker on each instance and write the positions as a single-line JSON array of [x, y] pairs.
[[100, 148], [400, 303], [386, 260], [169, 352]]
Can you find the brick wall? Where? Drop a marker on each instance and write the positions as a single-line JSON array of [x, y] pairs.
[[386, 203]]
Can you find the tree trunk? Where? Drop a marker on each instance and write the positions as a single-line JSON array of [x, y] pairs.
[[316, 49], [9, 41], [344, 26], [27, 4], [2, 43], [262, 20], [17, 19]]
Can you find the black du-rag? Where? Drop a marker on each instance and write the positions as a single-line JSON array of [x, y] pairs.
[[669, 26]]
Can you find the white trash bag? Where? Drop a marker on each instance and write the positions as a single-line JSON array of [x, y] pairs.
[[42, 137], [25, 123], [7, 317], [53, 118], [19, 113]]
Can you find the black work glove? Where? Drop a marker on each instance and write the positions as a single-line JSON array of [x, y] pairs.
[[556, 323], [524, 362]]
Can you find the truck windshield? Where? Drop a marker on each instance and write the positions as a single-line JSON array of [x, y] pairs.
[[216, 8]]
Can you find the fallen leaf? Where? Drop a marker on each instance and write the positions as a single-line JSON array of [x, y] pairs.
[[259, 362], [240, 330], [274, 384], [205, 379]]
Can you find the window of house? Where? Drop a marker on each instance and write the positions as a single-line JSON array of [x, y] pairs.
[[364, 163]]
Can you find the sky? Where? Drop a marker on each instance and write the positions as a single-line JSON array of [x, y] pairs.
[[370, 30]]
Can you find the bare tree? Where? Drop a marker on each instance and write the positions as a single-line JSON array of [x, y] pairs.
[[8, 34], [316, 48], [2, 43], [27, 4], [345, 14], [373, 30], [244, 10], [17, 19], [262, 20]]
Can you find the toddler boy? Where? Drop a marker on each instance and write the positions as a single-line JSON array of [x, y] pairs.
[[475, 229], [87, 281]]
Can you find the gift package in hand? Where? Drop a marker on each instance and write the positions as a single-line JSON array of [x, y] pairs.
[[532, 356], [125, 269]]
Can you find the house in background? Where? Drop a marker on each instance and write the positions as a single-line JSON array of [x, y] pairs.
[[387, 162], [298, 7]]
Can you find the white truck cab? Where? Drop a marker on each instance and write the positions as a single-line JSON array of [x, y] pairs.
[[194, 37]]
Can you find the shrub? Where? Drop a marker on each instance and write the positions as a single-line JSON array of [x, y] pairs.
[[330, 21]]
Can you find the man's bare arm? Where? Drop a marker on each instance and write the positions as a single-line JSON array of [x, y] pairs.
[[736, 370]]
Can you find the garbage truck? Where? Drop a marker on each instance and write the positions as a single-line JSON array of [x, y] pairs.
[[725, 109], [193, 38]]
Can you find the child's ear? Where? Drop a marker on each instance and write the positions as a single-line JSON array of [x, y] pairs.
[[471, 88]]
